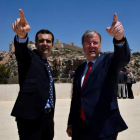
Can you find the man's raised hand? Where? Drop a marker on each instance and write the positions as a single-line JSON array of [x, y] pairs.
[[21, 26], [116, 29]]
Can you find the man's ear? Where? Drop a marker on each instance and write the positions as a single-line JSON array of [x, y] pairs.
[[52, 45], [35, 44]]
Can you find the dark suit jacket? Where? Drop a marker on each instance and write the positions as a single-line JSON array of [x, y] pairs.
[[33, 81], [122, 77], [99, 95]]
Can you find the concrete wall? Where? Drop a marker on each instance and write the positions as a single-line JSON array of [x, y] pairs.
[[63, 91], [10, 92], [136, 89]]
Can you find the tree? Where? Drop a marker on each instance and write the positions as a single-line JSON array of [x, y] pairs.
[[4, 74], [136, 54]]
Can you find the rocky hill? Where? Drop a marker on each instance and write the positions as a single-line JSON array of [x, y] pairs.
[[64, 59], [134, 66]]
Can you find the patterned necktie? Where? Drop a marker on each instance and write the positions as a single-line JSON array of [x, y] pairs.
[[86, 75], [51, 85]]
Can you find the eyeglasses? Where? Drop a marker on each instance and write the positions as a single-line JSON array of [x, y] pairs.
[[89, 43]]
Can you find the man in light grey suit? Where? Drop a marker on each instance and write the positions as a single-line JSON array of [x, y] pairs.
[[121, 84]]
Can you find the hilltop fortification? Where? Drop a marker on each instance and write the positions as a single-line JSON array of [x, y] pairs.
[[64, 59]]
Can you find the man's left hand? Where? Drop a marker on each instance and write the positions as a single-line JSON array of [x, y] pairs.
[[116, 29]]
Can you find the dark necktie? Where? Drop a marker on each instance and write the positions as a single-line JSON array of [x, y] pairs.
[[51, 85], [86, 75]]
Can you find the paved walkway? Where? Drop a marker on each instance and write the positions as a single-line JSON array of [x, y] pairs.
[[129, 108]]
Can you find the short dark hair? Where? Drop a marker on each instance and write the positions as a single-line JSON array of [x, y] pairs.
[[44, 31], [90, 33]]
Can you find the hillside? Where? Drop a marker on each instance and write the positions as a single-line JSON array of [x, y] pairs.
[[63, 60]]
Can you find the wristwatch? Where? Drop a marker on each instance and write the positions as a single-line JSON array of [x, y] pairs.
[[115, 41]]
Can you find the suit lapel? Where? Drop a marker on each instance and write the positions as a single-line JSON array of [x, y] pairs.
[[80, 74], [93, 68]]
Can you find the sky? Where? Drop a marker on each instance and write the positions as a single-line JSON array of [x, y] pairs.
[[69, 19]]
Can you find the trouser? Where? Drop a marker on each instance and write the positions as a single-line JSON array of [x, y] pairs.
[[86, 134], [130, 92], [121, 87], [41, 128]]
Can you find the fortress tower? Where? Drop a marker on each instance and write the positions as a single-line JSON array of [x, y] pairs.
[[11, 47], [57, 40], [72, 44]]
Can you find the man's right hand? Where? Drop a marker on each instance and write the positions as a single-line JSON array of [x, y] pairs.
[[21, 26], [69, 130]]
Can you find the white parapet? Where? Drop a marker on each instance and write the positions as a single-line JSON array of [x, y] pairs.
[[63, 91], [10, 92]]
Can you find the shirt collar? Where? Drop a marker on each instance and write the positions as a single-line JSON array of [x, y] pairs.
[[94, 60], [43, 58]]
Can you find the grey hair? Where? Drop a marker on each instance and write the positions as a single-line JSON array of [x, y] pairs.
[[90, 33]]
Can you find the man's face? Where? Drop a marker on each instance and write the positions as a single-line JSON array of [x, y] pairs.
[[44, 44], [91, 47]]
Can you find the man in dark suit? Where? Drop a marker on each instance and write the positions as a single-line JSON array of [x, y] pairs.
[[34, 107], [94, 112]]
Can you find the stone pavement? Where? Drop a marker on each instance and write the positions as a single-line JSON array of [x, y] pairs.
[[129, 108]]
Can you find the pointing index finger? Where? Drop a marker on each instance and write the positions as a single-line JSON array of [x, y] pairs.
[[21, 14], [115, 18], [22, 18]]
